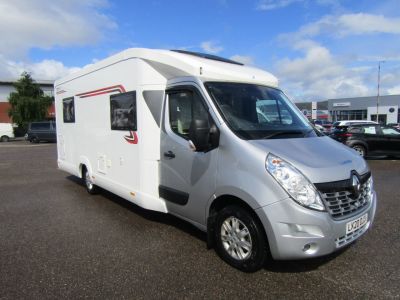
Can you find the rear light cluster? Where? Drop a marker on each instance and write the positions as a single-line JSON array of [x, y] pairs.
[[346, 134]]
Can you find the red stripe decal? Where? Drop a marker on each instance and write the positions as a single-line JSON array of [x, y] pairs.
[[132, 138], [110, 89]]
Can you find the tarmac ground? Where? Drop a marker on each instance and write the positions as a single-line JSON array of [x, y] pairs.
[[57, 241]]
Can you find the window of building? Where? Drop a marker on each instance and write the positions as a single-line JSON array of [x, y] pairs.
[[69, 110], [123, 111], [339, 115]]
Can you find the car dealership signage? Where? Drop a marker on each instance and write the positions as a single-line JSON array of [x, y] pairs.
[[341, 104]]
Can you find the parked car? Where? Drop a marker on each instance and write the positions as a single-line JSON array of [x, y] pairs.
[[320, 128], [6, 132], [394, 125], [327, 125], [351, 122], [42, 131], [370, 139]]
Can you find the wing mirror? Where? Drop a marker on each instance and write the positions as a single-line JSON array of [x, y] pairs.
[[203, 137]]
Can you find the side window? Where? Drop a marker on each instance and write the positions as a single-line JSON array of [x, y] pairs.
[[123, 111], [69, 110], [356, 130], [185, 106], [370, 130], [389, 131]]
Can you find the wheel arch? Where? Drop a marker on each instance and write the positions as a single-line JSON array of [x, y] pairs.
[[84, 164], [358, 142], [218, 204]]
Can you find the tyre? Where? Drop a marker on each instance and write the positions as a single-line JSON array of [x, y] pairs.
[[90, 186], [360, 149], [5, 138], [240, 239], [35, 140]]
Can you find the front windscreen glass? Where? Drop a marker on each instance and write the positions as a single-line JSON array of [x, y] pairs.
[[259, 112]]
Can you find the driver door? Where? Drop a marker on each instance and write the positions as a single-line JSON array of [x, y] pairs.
[[187, 178]]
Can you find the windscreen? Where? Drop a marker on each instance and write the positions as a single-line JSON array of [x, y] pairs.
[[259, 112]]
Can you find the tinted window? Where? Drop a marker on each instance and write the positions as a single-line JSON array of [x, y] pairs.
[[389, 131], [184, 107], [356, 130], [123, 111], [69, 110], [40, 126]]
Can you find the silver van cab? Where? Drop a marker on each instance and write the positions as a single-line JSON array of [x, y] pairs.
[[306, 195]]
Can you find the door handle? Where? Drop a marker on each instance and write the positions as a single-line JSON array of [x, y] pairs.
[[169, 154]]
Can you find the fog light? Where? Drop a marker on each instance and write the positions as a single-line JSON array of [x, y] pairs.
[[310, 248]]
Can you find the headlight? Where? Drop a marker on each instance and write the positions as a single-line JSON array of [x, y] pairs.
[[294, 182], [370, 186]]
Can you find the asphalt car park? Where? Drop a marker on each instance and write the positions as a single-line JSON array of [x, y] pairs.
[[57, 241]]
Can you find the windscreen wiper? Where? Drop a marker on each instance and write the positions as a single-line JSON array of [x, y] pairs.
[[277, 133]]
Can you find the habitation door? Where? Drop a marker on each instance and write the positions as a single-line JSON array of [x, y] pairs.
[[187, 177]]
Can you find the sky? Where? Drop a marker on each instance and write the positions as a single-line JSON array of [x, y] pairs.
[[318, 49]]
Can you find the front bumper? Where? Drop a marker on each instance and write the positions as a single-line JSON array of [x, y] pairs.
[[296, 232]]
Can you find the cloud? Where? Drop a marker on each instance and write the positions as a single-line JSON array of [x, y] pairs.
[[211, 47], [319, 75], [275, 4], [247, 60], [43, 70], [46, 24], [394, 90], [346, 25]]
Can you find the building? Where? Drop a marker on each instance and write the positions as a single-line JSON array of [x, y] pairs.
[[365, 108], [6, 87]]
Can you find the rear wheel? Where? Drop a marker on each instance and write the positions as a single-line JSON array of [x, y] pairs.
[[34, 140], [240, 239], [4, 138], [360, 149], [90, 186]]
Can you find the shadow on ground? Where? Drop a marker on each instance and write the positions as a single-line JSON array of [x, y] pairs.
[[292, 266]]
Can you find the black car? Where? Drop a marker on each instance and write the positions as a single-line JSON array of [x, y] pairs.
[[42, 131], [370, 139]]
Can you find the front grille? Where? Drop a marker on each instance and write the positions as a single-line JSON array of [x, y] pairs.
[[340, 199], [348, 238]]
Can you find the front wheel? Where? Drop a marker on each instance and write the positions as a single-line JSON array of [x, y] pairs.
[[360, 150], [240, 239], [90, 186]]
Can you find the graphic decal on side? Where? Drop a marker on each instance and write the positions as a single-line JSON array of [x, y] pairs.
[[115, 88], [132, 138]]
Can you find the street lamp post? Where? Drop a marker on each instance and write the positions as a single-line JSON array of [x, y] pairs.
[[377, 98]]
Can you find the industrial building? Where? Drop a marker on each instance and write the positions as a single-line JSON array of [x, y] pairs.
[[7, 86], [358, 108]]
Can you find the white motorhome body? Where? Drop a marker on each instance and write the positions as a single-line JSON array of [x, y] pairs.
[[121, 161], [216, 143]]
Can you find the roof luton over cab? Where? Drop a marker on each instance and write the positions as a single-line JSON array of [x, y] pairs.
[[218, 144]]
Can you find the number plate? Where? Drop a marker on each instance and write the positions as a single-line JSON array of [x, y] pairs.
[[356, 224]]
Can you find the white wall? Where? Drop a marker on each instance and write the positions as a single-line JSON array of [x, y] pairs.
[[5, 91], [384, 110]]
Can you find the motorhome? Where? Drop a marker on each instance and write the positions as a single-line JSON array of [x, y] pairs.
[[218, 144]]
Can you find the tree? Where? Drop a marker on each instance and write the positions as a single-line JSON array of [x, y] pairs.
[[28, 103]]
